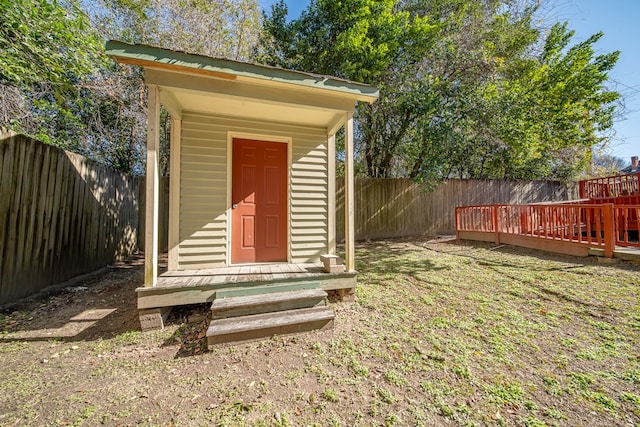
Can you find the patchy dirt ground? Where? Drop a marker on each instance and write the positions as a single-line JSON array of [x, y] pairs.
[[442, 333]]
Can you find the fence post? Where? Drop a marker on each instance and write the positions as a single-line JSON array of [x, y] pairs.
[[609, 229], [496, 223]]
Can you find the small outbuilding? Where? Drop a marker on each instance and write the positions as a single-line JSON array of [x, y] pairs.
[[252, 196]]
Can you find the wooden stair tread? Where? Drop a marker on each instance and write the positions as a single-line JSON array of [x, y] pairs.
[[229, 303], [272, 320], [248, 289]]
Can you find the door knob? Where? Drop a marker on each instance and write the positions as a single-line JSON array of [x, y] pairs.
[[233, 206]]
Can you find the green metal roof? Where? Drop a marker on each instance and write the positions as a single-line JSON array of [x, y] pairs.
[[154, 56]]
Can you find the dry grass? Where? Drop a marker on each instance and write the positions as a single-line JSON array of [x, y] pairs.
[[442, 334]]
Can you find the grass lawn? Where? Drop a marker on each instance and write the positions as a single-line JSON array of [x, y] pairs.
[[442, 333]]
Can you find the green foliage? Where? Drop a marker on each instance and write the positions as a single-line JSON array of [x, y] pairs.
[[469, 89], [361, 40], [215, 28], [58, 86], [43, 43], [515, 113], [506, 393], [369, 41], [48, 55]]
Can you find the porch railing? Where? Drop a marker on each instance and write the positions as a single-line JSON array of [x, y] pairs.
[[593, 225]]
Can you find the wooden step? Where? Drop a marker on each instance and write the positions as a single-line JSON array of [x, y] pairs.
[[244, 289], [264, 325], [266, 303]]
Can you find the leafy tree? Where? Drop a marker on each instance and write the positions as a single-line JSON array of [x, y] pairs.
[[538, 115], [363, 40], [214, 28], [517, 105], [209, 27], [604, 164], [57, 85], [47, 53], [472, 89], [45, 43]]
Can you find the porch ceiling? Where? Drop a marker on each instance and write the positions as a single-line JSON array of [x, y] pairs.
[[195, 83], [250, 109], [178, 100]]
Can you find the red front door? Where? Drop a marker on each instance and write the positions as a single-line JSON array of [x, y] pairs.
[[259, 201]]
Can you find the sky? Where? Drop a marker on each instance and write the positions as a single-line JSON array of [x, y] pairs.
[[618, 20]]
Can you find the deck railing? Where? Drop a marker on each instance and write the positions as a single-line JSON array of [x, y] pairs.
[[476, 218], [590, 225], [620, 200], [608, 215], [610, 186], [627, 224]]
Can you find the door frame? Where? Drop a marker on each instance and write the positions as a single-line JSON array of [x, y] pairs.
[[231, 135]]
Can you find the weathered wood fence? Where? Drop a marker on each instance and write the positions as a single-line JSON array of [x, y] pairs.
[[400, 207], [61, 215]]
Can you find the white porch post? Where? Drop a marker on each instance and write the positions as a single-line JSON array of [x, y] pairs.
[[151, 195], [331, 196], [174, 193], [349, 188]]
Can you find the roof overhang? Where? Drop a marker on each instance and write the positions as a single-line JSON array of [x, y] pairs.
[[201, 84]]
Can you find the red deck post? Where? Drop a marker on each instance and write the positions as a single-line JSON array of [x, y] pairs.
[[496, 223], [457, 211], [524, 220], [609, 230]]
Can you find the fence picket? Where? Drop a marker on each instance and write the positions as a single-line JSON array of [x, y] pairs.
[[47, 209]]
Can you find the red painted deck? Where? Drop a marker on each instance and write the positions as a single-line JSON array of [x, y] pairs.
[[610, 186], [606, 217]]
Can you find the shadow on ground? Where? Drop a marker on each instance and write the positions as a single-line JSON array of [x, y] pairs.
[[390, 258], [191, 334], [572, 261], [104, 306], [99, 307]]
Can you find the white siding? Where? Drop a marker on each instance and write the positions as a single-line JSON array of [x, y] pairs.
[[203, 188], [308, 192]]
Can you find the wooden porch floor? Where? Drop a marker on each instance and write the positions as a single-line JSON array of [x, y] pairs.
[[239, 274], [200, 286]]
